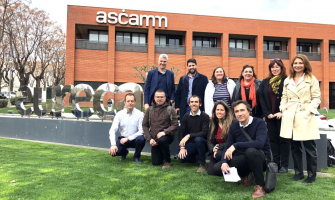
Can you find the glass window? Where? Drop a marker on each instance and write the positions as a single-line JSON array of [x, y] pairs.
[[205, 42], [245, 44], [277, 46], [231, 43], [265, 45], [156, 39], [332, 49], [119, 37], [126, 37], [162, 40], [212, 42], [271, 44], [239, 44], [103, 36], [198, 42], [134, 38], [143, 38], [94, 36]]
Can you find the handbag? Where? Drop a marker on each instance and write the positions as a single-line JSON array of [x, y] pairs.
[[271, 171]]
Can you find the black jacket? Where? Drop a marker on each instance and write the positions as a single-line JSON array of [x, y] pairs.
[[265, 99]]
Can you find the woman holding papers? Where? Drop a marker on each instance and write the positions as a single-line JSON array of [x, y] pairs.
[[222, 118]]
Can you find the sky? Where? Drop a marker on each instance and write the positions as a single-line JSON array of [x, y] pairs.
[[310, 11]]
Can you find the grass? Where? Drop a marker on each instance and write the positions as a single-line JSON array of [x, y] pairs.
[[45, 171], [329, 115]]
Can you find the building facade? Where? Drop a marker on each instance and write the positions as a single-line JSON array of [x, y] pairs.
[[103, 45]]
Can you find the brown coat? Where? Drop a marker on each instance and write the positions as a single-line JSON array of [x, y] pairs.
[[298, 106], [160, 121]]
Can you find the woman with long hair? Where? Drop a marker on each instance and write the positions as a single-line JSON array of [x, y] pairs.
[[222, 118], [246, 89], [270, 93], [300, 100], [219, 88]]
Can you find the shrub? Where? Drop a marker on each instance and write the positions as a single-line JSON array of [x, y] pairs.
[[3, 103]]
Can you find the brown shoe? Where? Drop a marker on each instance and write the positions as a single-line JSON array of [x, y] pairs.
[[246, 181], [202, 168], [259, 192], [166, 165]]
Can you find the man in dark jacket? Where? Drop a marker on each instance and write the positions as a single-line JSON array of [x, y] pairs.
[[194, 129], [247, 156], [159, 79], [159, 124], [193, 83]]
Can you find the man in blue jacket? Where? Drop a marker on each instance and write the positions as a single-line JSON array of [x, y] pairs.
[[159, 79], [193, 83]]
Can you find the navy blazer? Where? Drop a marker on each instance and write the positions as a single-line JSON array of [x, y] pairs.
[[265, 99], [198, 88], [152, 82]]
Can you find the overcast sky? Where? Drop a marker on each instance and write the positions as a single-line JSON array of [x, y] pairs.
[[312, 11]]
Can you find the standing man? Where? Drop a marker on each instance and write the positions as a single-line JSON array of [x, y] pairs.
[[247, 156], [193, 83], [159, 124], [129, 123], [159, 79], [194, 129]]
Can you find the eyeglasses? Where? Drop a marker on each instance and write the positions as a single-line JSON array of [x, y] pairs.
[[277, 59]]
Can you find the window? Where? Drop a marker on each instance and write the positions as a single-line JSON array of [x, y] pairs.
[[163, 40], [272, 45], [206, 42], [134, 38], [239, 44], [304, 47], [98, 36], [332, 48]]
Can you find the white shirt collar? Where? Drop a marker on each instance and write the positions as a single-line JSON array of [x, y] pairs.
[[300, 80], [198, 113], [249, 122]]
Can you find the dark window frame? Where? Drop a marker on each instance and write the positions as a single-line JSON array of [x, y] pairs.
[[267, 43], [167, 37], [305, 44], [236, 42], [202, 41], [88, 33], [131, 36]]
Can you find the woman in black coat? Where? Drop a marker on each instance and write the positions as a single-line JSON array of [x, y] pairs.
[[222, 118], [270, 93]]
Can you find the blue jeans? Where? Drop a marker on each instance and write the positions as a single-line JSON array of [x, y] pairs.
[[198, 147], [138, 143]]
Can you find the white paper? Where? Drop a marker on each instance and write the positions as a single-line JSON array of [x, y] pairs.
[[233, 176]]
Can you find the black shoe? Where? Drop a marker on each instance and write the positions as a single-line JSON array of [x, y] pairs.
[[297, 177], [124, 157], [137, 160], [283, 170], [309, 180]]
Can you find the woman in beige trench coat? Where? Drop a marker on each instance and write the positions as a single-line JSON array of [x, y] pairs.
[[300, 99]]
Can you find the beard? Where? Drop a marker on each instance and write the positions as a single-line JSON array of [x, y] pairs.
[[192, 71]]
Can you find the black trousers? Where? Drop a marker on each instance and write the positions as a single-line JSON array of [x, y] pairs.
[[214, 166], [280, 147], [253, 160], [161, 151], [311, 156], [138, 143]]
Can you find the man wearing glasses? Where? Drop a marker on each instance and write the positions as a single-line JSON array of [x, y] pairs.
[[193, 83], [159, 124]]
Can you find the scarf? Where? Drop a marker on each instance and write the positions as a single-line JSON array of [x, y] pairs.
[[252, 91], [275, 82]]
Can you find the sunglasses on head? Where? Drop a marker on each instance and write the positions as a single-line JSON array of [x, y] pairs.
[[278, 59]]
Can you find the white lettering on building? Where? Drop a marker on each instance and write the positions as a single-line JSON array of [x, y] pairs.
[[133, 19]]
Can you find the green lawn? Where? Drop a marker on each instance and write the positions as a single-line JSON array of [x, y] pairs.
[[45, 171], [329, 115]]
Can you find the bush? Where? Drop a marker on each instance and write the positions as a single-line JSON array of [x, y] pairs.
[[13, 100], [3, 103]]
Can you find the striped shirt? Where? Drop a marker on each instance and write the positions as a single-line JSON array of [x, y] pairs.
[[221, 93]]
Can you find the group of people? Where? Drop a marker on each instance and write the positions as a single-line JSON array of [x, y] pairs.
[[242, 124]]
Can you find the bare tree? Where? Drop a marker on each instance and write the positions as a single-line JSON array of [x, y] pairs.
[[24, 32], [141, 72], [58, 64]]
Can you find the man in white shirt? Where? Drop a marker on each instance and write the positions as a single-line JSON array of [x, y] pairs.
[[129, 123]]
